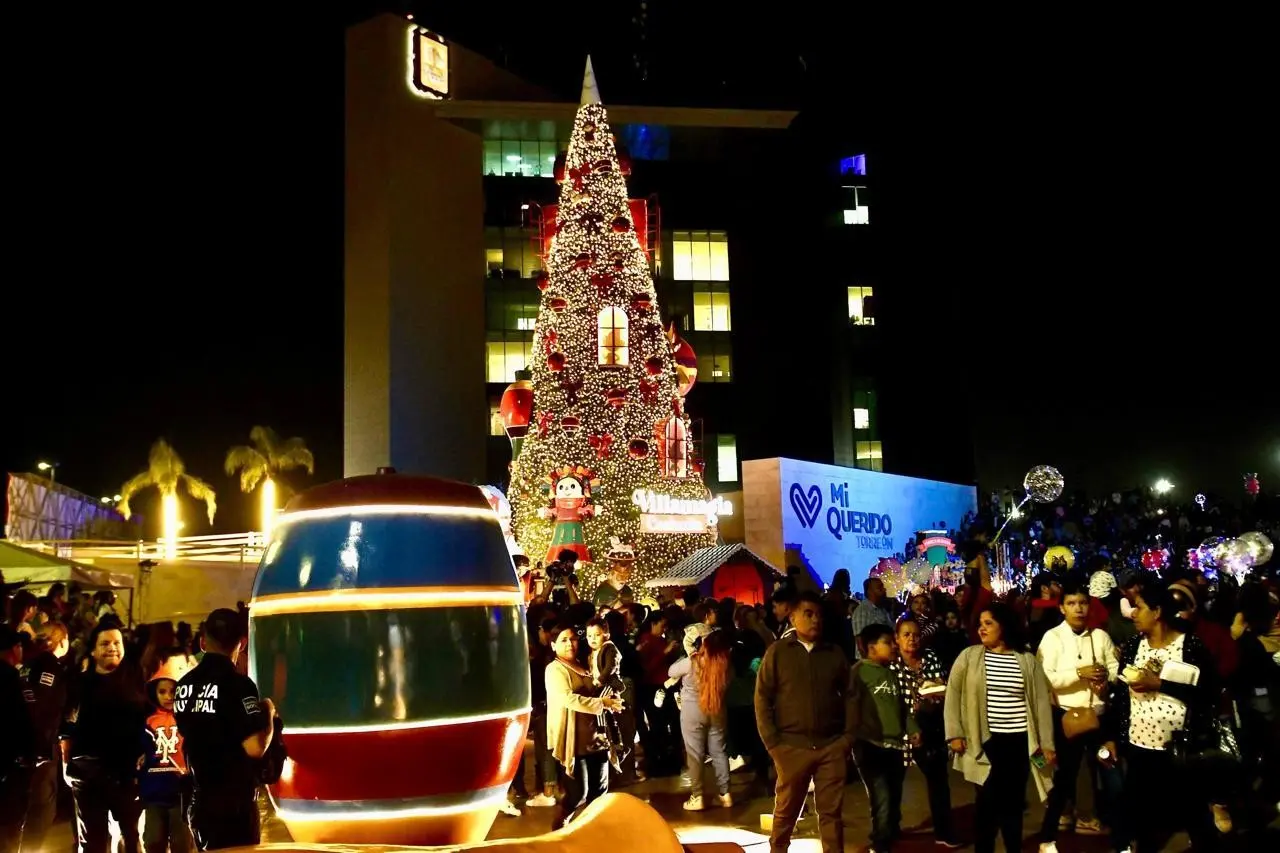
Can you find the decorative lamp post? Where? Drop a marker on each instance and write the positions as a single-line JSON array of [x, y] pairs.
[[516, 409]]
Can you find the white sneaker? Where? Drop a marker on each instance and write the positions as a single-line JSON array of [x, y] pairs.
[[509, 809], [694, 804], [736, 763], [1049, 847], [540, 801], [726, 800]]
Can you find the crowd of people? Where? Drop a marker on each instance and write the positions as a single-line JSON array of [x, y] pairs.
[[156, 733], [1134, 699], [1134, 703]]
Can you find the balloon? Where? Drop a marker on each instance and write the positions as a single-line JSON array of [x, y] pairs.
[[1059, 553], [918, 570], [1235, 556], [885, 566], [1043, 483], [1260, 547], [1210, 549]]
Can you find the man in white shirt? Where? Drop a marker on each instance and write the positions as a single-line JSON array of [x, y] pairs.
[[1079, 664]]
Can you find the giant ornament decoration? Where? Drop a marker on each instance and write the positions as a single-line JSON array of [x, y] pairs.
[[385, 651]]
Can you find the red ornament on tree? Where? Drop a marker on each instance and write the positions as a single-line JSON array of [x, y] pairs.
[[601, 443], [516, 406], [541, 279], [641, 302], [624, 160], [653, 365], [583, 261], [638, 448], [616, 397], [570, 423], [602, 280], [621, 225], [555, 362], [557, 304]]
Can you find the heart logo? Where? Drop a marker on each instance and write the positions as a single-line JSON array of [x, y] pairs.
[[806, 505]]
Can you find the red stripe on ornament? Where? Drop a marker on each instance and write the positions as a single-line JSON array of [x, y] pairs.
[[402, 763]]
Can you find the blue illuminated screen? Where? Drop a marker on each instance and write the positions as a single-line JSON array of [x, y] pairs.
[[855, 165], [847, 518]]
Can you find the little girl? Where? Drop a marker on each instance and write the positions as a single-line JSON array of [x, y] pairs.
[[606, 674]]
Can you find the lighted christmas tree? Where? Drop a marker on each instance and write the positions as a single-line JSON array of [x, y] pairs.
[[608, 432]]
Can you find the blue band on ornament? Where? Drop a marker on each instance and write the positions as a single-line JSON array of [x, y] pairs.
[[384, 551]]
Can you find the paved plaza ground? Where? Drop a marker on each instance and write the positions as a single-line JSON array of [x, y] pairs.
[[751, 799]]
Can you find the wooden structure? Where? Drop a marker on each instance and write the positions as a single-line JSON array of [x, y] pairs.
[[724, 571]]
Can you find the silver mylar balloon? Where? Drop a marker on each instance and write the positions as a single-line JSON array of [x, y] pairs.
[[1259, 546], [1235, 556], [1043, 483]]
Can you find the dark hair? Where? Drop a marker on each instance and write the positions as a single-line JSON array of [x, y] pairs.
[[1096, 563], [811, 597], [1074, 586], [784, 595], [841, 581], [869, 582], [1170, 600], [690, 596], [873, 632], [702, 608], [567, 555], [1011, 630], [560, 628], [907, 618], [972, 549], [106, 623], [599, 622], [548, 623], [1039, 582], [223, 630]]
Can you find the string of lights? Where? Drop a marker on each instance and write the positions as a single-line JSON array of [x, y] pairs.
[[604, 381]]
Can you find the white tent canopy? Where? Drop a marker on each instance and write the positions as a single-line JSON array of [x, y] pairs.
[[25, 567]]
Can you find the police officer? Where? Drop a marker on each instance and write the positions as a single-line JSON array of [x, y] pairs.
[[17, 741], [226, 728], [46, 694]]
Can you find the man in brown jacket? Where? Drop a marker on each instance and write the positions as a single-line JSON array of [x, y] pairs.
[[806, 720]]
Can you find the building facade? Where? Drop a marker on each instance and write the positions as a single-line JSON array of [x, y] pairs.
[[761, 246]]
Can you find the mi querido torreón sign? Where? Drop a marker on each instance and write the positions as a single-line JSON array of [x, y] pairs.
[[829, 517]]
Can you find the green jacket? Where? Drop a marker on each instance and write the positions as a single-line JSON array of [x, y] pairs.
[[883, 719]]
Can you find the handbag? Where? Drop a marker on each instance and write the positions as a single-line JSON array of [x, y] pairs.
[[1080, 721], [1217, 750]]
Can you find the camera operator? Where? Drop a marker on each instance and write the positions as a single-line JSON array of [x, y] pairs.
[[562, 581]]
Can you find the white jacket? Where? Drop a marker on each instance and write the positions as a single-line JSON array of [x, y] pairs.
[[1063, 651]]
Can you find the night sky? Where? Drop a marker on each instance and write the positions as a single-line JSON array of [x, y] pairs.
[[1088, 221]]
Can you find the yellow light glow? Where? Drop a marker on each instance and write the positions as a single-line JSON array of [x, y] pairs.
[[268, 508], [328, 601], [410, 725], [170, 524], [612, 340], [384, 509]]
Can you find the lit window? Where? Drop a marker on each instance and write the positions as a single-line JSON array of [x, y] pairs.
[[496, 425], [726, 459], [520, 158], [504, 358], [869, 456], [715, 358], [861, 306], [860, 212], [710, 310], [855, 165], [493, 262], [862, 418], [700, 256], [612, 328]]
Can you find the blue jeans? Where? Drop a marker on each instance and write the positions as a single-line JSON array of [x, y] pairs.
[[703, 735], [882, 772]]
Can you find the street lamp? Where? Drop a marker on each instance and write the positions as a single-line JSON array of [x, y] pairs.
[[1162, 487]]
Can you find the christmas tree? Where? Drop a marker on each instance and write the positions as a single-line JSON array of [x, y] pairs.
[[608, 433]]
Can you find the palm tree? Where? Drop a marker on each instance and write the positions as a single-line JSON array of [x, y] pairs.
[[165, 472], [263, 463]]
